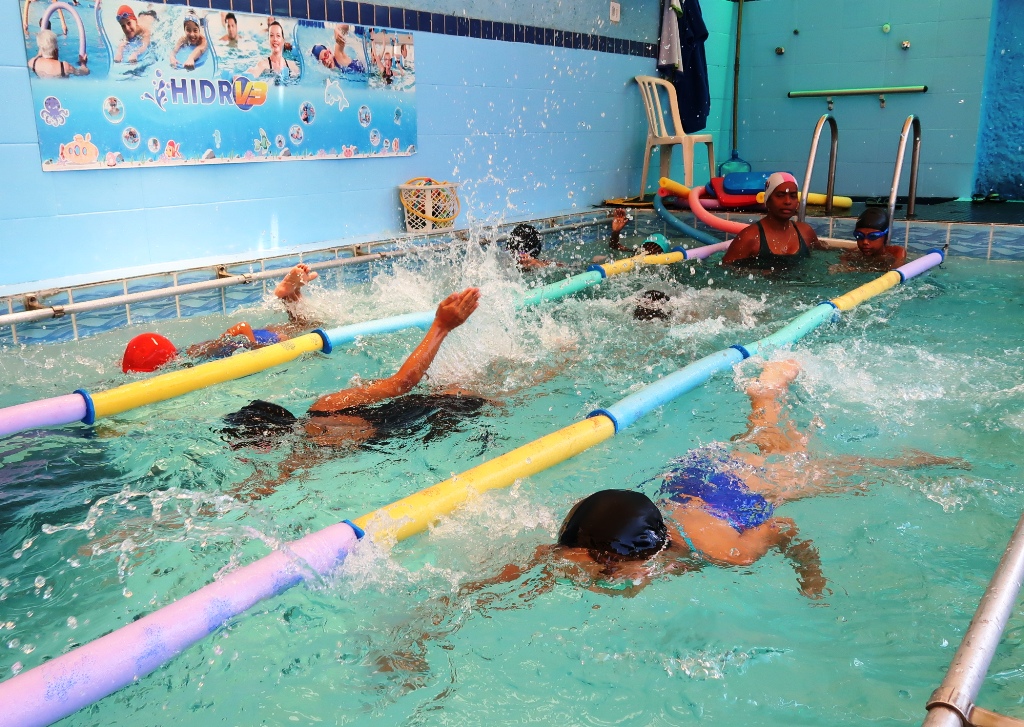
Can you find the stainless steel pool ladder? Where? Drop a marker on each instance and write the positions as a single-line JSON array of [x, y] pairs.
[[915, 157], [952, 704], [830, 190]]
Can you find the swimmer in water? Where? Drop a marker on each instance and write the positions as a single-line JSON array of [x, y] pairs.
[[275, 63], [718, 508], [47, 62], [776, 242], [193, 38], [136, 36], [360, 414], [873, 253], [149, 351], [230, 23], [619, 220], [524, 242]]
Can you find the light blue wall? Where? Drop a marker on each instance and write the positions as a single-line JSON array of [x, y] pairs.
[[529, 131], [1001, 138], [841, 45]]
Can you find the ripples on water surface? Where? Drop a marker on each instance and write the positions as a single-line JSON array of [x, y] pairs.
[[100, 525]]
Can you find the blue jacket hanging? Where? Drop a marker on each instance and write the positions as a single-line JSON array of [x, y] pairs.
[[682, 62]]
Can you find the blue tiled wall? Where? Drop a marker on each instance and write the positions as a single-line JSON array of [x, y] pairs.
[[1002, 127], [529, 130], [842, 45]]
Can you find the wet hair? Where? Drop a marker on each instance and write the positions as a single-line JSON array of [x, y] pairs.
[[651, 305], [524, 239], [46, 40], [150, 13], [873, 218], [230, 16], [617, 523], [257, 424], [272, 23]]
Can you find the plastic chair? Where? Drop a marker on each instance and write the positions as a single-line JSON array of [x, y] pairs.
[[658, 132]]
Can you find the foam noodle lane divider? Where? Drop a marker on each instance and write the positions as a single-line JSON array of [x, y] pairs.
[[51, 412], [702, 253], [925, 262], [634, 406], [559, 289], [67, 683], [349, 333], [74, 680], [680, 226], [415, 513], [176, 383]]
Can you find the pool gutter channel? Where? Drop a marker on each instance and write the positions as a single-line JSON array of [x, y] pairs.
[[42, 313]]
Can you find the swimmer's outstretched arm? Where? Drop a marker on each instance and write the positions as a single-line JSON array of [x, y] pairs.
[[289, 290], [451, 313], [802, 555]]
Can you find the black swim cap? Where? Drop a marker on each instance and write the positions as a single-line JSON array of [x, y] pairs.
[[257, 424], [873, 218], [524, 239], [620, 522], [651, 306]]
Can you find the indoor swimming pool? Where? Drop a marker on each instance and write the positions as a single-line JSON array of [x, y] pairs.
[[105, 524]]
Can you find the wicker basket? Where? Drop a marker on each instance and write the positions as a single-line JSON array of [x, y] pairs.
[[429, 204]]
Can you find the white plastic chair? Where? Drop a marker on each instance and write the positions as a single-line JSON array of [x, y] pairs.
[[658, 132]]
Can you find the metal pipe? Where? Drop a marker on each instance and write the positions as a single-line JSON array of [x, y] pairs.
[[950, 704], [858, 91], [915, 157], [48, 313], [833, 150]]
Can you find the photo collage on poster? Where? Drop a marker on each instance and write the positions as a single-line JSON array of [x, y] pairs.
[[134, 84]]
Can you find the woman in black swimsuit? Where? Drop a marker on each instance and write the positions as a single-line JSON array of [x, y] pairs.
[[776, 242]]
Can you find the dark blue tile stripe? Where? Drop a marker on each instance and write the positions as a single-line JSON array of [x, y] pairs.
[[347, 11]]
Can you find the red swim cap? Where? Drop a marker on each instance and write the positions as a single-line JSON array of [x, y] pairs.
[[147, 352]]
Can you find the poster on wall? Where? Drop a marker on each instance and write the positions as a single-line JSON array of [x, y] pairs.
[[137, 84]]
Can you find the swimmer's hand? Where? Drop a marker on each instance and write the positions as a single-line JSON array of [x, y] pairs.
[[290, 289], [619, 220], [133, 58], [190, 65], [457, 308], [241, 329]]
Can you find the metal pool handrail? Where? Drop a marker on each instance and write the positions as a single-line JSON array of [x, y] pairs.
[[952, 704], [58, 311], [833, 149], [914, 123], [88, 673]]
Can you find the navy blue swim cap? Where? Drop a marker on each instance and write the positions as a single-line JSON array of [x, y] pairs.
[[873, 218], [620, 522], [257, 424], [524, 239]]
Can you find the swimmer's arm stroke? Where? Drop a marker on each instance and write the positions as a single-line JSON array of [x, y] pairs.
[[177, 47], [451, 313], [190, 62]]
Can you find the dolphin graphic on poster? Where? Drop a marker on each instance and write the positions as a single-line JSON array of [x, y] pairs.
[[334, 95]]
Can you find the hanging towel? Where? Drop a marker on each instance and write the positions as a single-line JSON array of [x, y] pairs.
[[682, 62]]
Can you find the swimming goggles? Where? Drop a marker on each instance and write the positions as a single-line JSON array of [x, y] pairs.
[[126, 15], [860, 236]]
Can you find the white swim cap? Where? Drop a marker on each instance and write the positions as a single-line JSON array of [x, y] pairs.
[[775, 180]]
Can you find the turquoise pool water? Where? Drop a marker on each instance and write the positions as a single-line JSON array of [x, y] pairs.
[[99, 526]]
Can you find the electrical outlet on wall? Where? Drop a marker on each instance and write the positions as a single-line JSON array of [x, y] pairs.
[[615, 12]]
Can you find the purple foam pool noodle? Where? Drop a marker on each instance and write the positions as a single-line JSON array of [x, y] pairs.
[[65, 684], [43, 413], [916, 267]]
